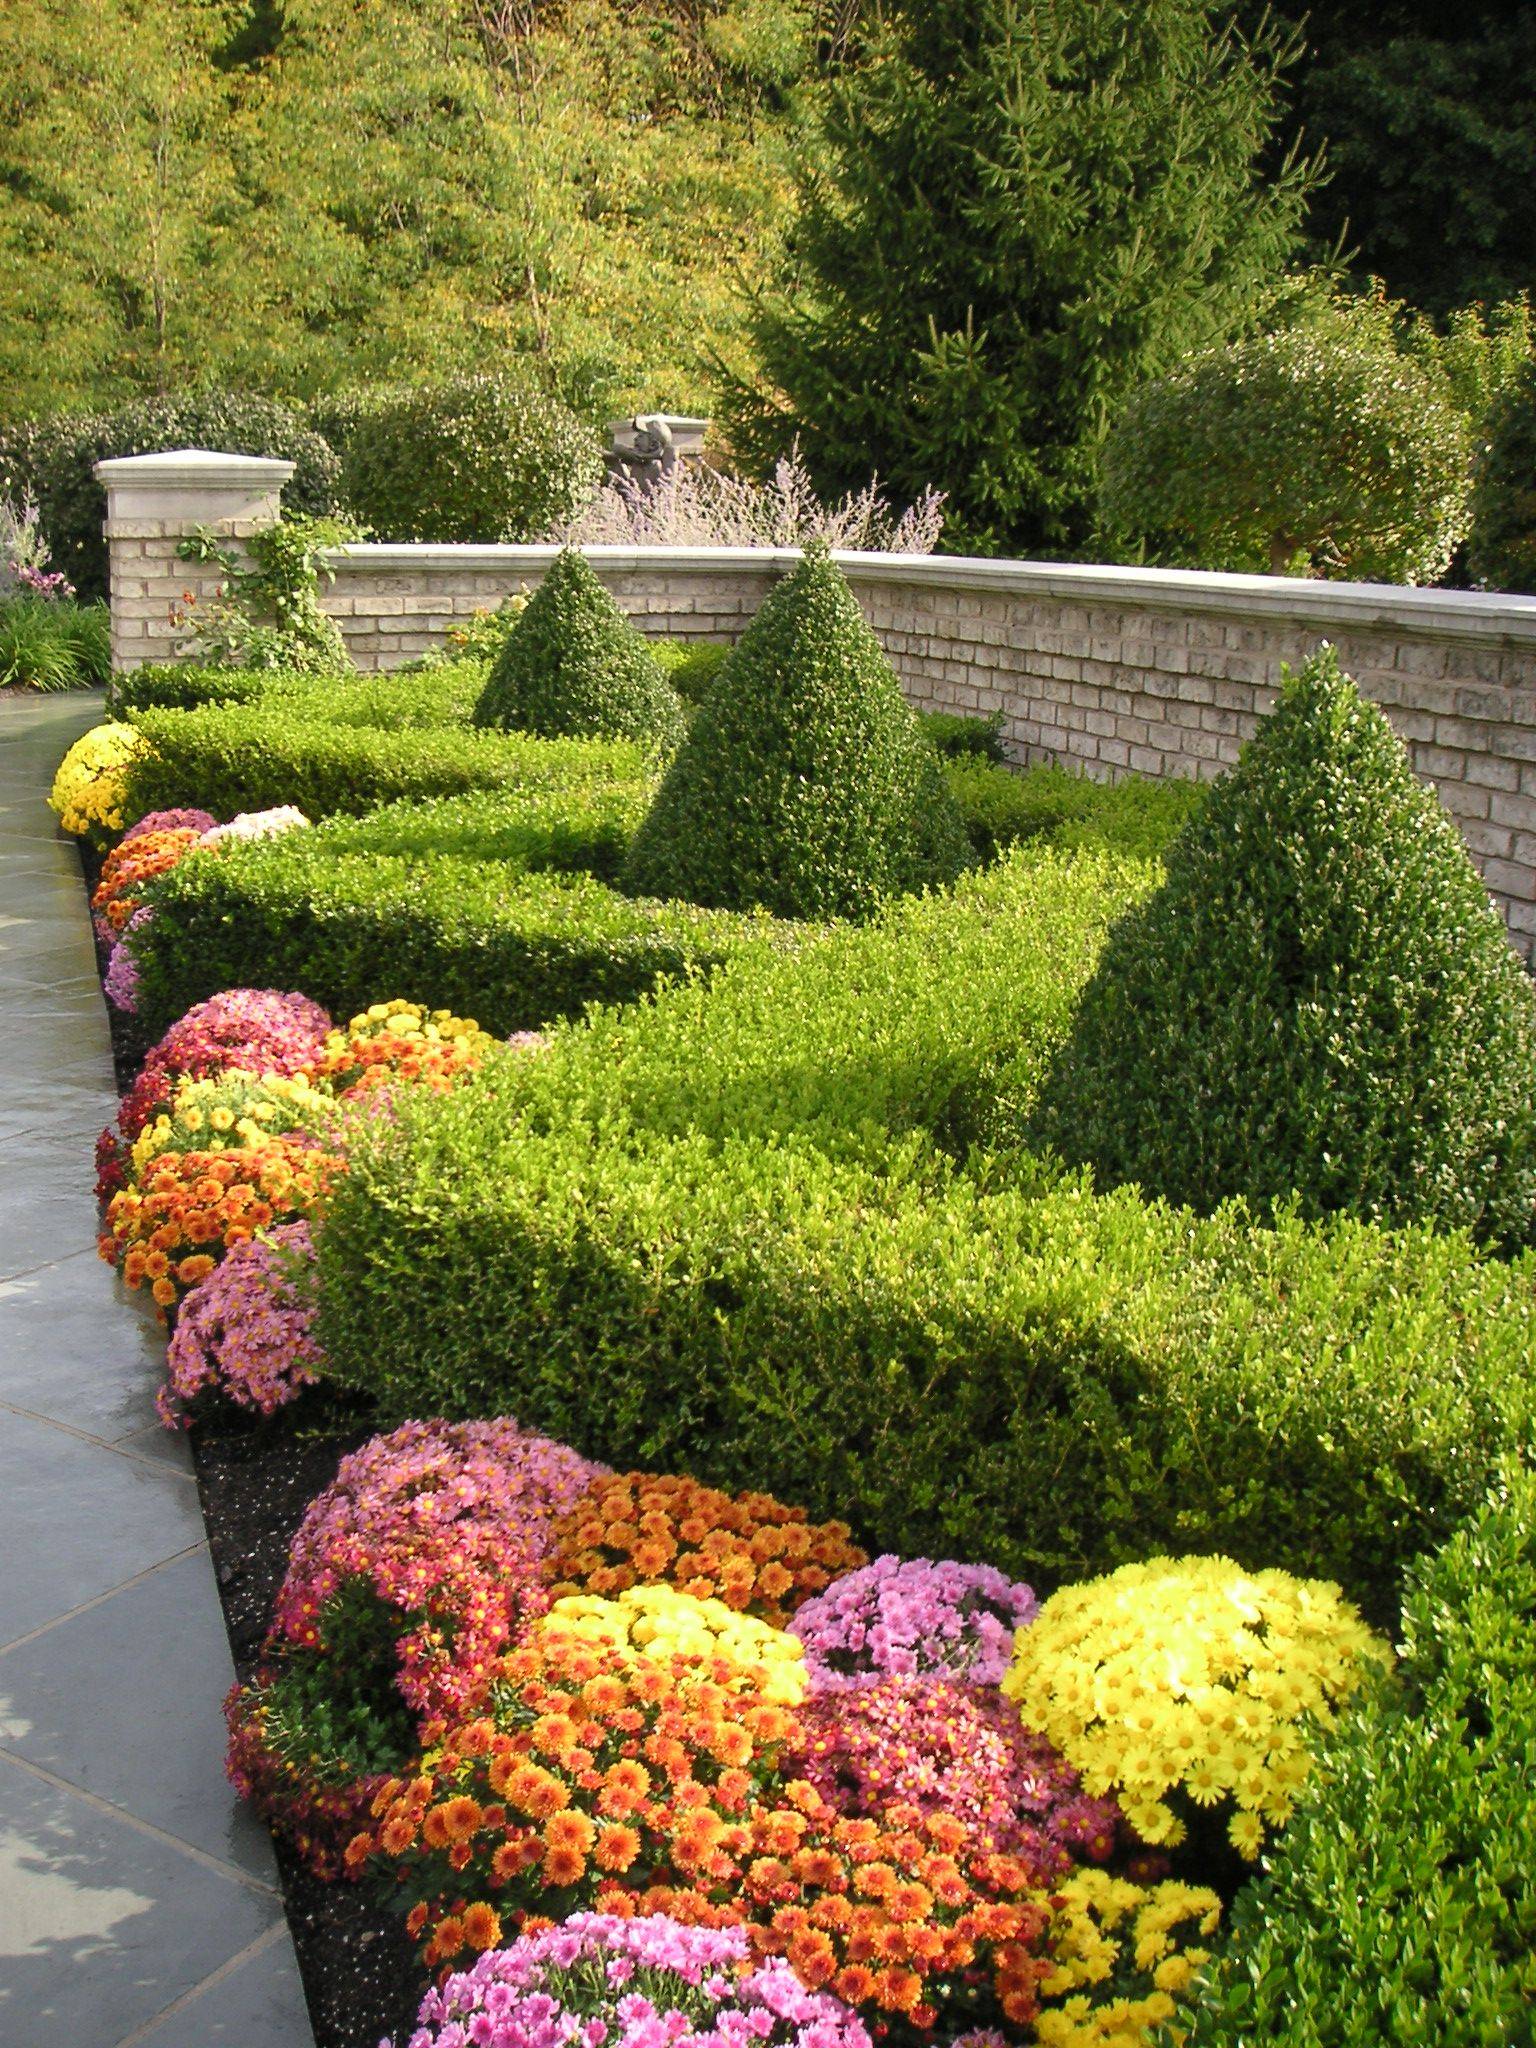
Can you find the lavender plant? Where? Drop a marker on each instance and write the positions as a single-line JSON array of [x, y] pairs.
[[704, 508]]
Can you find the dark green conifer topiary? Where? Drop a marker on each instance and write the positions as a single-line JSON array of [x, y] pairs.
[[1320, 999], [805, 784], [574, 666]]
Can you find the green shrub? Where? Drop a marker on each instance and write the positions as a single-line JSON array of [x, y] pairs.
[[401, 699], [1326, 448], [864, 1034], [482, 458], [804, 784], [54, 643], [52, 463], [185, 686], [721, 1232], [1321, 998], [1400, 1905], [690, 666], [507, 946], [249, 757], [1001, 806], [574, 665], [1056, 1383], [1501, 550], [569, 828], [957, 737]]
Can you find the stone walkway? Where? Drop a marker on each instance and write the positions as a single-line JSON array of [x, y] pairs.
[[138, 1903]]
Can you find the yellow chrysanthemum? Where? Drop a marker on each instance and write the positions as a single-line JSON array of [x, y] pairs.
[[661, 1623], [1108, 1930], [87, 793], [1190, 1680]]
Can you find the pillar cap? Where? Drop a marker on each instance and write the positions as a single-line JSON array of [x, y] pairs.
[[197, 469]]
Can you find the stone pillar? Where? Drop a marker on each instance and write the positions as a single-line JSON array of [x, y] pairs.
[[155, 501]]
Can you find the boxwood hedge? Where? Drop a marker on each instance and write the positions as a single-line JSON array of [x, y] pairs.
[[250, 757], [498, 940], [773, 1276], [573, 665], [442, 695], [1321, 1001], [805, 784]]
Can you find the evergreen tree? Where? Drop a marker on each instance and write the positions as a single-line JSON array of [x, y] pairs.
[[1012, 215], [574, 665], [1320, 1000], [805, 785]]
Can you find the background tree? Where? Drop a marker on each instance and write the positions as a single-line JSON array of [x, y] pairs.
[[1325, 446], [122, 219], [1012, 214], [1502, 548], [294, 198], [1427, 115]]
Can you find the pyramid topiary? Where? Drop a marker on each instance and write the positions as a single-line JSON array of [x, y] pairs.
[[1320, 998], [805, 784], [573, 665]]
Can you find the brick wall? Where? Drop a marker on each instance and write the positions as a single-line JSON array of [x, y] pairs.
[[393, 603]]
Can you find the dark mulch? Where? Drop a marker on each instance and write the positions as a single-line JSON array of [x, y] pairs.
[[255, 1479]]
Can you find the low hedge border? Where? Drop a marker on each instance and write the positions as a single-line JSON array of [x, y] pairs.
[[510, 947], [767, 1271], [253, 757]]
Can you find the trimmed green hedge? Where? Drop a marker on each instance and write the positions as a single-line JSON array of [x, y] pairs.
[[581, 828], [804, 784], [506, 945], [958, 736], [442, 695], [1002, 806], [250, 757], [914, 1023], [1400, 1905], [574, 666], [690, 665], [767, 1271], [1320, 1002]]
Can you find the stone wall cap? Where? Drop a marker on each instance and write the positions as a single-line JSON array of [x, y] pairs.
[[1360, 607], [200, 466]]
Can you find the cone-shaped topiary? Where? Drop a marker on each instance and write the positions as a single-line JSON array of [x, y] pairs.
[[1320, 998], [574, 665], [805, 784]]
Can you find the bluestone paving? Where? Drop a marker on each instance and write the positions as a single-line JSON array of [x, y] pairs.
[[138, 1902]]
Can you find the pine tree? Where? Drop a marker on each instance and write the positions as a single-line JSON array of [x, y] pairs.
[[1319, 1001], [1014, 213], [574, 665], [805, 785]]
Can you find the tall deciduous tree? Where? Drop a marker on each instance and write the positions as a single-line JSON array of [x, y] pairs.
[[1012, 214], [121, 217]]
